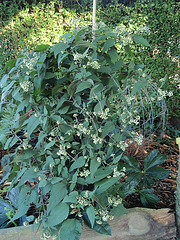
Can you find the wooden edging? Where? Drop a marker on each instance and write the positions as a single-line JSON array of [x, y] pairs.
[[138, 224]]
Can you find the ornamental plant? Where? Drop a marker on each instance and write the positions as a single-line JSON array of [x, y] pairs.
[[68, 113]]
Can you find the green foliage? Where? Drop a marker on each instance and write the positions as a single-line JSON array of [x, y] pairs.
[[26, 27], [143, 180], [67, 112]]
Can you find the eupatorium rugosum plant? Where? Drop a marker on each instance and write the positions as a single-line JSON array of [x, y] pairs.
[[68, 111]]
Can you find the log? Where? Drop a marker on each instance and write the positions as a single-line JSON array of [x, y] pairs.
[[139, 223]]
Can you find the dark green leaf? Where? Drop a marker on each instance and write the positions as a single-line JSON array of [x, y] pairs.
[[83, 85], [137, 86], [132, 162], [94, 164], [91, 215], [158, 172], [71, 229], [77, 164], [109, 43], [41, 48], [140, 40], [134, 179], [58, 215], [119, 210], [149, 158], [59, 47], [117, 66], [108, 128]]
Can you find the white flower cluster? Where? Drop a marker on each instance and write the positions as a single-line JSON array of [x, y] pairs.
[[102, 114], [114, 201], [164, 94], [24, 145], [77, 57], [84, 173], [143, 30], [116, 173], [126, 40], [120, 29], [137, 137], [99, 25], [123, 145], [104, 215], [82, 129], [30, 61], [96, 139], [62, 151], [94, 65], [26, 85]]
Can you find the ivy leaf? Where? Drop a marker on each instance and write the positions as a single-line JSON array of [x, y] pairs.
[[71, 229], [77, 164], [141, 40], [91, 215], [58, 215]]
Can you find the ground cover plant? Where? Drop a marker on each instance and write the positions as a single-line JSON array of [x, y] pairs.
[[69, 111]]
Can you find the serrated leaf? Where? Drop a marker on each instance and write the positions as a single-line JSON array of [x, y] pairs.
[[119, 210], [77, 164], [58, 214], [82, 86], [49, 145], [134, 179], [149, 158], [109, 43], [132, 162], [91, 215], [105, 184], [100, 105], [103, 228], [71, 197], [59, 47], [94, 164], [140, 40], [155, 160], [108, 128], [58, 192], [71, 229], [158, 172], [113, 55], [137, 86], [117, 65]]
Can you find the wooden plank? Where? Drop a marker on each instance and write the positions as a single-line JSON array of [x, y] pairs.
[[138, 224]]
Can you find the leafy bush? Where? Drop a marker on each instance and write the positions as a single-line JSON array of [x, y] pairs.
[[69, 111]]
